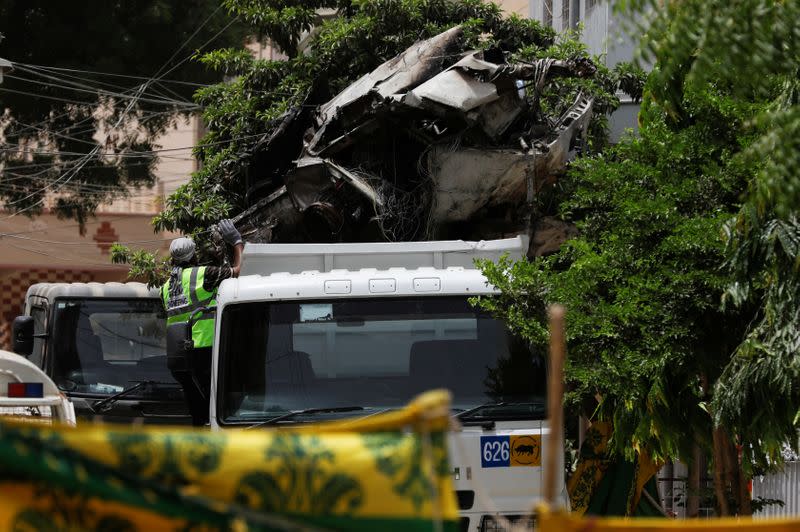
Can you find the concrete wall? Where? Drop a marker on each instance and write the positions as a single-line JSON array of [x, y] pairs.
[[46, 249], [46, 241], [520, 7]]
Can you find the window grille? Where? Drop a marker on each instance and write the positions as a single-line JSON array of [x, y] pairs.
[[547, 14]]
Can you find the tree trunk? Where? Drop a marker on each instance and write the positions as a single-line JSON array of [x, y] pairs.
[[731, 470], [719, 472], [735, 480], [693, 493], [745, 506], [745, 502]]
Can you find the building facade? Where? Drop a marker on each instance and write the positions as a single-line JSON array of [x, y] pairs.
[[48, 249], [603, 32]]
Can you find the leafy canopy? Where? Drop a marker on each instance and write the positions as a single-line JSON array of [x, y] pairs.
[[682, 286], [642, 282], [753, 47]]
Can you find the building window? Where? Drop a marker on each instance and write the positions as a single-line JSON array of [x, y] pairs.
[[547, 14]]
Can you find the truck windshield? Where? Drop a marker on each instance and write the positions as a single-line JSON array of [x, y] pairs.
[[103, 346], [279, 357]]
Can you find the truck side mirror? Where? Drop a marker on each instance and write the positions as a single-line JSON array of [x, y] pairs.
[[22, 331], [179, 343]]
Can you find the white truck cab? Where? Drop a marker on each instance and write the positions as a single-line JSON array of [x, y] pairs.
[[104, 346], [313, 332], [28, 394]]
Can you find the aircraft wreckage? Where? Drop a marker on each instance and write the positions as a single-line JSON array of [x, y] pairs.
[[434, 143]]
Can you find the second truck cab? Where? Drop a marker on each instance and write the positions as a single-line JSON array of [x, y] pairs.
[[104, 345], [314, 332]]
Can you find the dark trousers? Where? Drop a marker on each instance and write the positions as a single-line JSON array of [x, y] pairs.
[[196, 383]]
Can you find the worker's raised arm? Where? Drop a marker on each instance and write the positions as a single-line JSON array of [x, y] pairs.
[[237, 259], [232, 237]]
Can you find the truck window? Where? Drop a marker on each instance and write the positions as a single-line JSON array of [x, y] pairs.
[[39, 316], [376, 353], [102, 346]]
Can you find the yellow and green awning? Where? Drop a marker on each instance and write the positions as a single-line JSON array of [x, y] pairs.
[[383, 472]]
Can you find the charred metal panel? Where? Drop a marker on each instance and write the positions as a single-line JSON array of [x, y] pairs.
[[433, 137], [469, 179]]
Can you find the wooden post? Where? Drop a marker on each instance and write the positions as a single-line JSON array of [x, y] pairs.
[[555, 395], [693, 483]]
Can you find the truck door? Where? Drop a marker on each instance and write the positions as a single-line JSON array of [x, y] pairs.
[[39, 315]]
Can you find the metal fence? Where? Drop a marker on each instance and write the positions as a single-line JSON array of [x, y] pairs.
[[673, 487], [783, 486]]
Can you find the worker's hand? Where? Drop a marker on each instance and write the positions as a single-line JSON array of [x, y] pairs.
[[229, 233]]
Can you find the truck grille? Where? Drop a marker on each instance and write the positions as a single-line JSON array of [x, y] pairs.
[[490, 524]]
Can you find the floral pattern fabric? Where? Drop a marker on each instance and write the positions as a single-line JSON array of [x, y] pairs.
[[387, 471]]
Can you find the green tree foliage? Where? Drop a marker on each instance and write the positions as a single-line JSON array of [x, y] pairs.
[[752, 46], [642, 282], [145, 265], [682, 287], [80, 68]]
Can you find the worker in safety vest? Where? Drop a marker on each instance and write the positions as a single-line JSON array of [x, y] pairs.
[[191, 287]]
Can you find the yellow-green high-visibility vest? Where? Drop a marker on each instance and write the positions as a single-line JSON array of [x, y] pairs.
[[182, 301]]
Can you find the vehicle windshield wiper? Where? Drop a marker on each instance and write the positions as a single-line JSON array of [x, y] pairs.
[[466, 413], [474, 412], [289, 415], [106, 404]]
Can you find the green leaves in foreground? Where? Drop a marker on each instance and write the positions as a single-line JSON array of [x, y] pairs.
[[643, 281], [682, 288]]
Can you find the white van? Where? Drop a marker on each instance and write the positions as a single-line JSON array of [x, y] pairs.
[[27, 393]]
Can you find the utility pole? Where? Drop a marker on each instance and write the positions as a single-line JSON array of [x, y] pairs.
[[5, 66]]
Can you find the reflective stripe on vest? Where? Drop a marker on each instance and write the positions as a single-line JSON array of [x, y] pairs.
[[181, 303]]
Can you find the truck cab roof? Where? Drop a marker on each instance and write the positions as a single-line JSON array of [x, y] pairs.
[[111, 290], [379, 269], [266, 259], [367, 282]]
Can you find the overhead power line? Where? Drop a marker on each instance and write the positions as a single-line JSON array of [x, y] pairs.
[[133, 153], [110, 74], [94, 90], [64, 179], [82, 260], [144, 117], [95, 83], [72, 172], [67, 243], [46, 97]]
